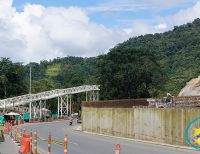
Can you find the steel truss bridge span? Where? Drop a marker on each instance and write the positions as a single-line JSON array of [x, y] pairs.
[[63, 95]]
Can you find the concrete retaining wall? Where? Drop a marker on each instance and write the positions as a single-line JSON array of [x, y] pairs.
[[151, 124]]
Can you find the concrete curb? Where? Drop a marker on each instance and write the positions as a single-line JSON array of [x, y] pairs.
[[141, 141], [77, 128]]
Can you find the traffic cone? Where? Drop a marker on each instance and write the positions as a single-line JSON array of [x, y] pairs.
[[117, 149]]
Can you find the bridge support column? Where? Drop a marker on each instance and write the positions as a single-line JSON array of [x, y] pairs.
[[67, 105], [4, 110], [86, 96], [36, 108], [61, 106], [30, 110], [58, 106], [64, 105], [70, 101], [13, 106], [40, 105], [92, 96]]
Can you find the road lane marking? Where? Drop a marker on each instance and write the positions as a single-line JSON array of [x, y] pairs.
[[74, 143], [57, 142]]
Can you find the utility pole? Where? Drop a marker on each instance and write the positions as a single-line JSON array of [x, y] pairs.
[[30, 80], [30, 104]]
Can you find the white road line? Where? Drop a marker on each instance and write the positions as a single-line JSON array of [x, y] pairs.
[[74, 143]]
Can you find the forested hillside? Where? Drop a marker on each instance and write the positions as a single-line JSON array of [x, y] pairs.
[[47, 75], [178, 52], [144, 66], [62, 73]]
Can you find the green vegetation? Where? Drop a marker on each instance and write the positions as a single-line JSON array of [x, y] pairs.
[[11, 79], [144, 66], [129, 73], [53, 70], [177, 52]]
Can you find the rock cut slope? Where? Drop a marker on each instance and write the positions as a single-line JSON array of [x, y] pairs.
[[192, 88]]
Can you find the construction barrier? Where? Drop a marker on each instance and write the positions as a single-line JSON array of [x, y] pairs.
[[11, 129], [15, 134], [65, 145], [37, 120], [16, 122], [35, 142], [49, 143], [24, 130], [18, 134], [21, 121], [60, 118], [117, 149], [25, 144], [7, 128], [2, 139], [25, 139], [61, 144], [31, 138], [34, 120]]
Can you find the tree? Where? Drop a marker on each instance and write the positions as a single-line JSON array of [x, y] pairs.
[[11, 78], [129, 73]]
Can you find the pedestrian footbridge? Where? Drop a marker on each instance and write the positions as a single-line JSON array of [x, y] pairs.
[[37, 101]]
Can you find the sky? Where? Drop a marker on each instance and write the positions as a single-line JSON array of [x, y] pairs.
[[35, 30]]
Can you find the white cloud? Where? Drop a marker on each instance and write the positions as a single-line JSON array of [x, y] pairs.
[[39, 33], [117, 7], [135, 5], [167, 3], [142, 27], [162, 24], [5, 8], [183, 16]]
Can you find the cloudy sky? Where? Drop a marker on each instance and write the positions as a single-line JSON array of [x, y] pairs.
[[34, 30]]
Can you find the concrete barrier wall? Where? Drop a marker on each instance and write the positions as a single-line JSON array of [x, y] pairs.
[[151, 124]]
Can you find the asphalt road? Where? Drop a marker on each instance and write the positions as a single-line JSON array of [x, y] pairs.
[[8, 146], [83, 143]]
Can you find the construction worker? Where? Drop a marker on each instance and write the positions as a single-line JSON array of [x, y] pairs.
[[169, 98], [71, 120]]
